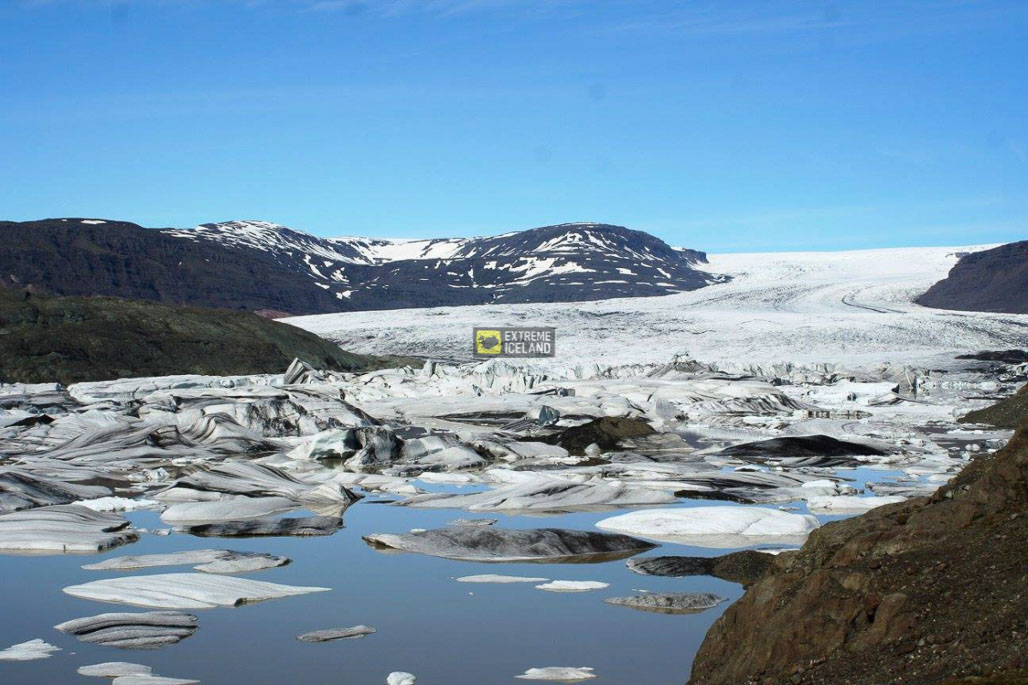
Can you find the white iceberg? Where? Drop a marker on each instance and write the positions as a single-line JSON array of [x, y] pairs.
[[572, 586], [720, 527], [185, 591], [847, 504], [558, 674]]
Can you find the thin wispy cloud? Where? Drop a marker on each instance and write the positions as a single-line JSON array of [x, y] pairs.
[[881, 21], [388, 8], [383, 8]]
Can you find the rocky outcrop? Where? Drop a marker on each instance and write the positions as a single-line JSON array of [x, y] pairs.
[[1003, 414], [918, 592], [993, 280]]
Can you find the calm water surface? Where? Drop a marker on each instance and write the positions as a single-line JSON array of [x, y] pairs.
[[445, 632]]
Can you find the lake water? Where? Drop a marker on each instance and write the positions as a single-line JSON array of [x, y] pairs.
[[443, 631]]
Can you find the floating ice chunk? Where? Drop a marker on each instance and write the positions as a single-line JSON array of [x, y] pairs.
[[472, 522], [572, 586], [146, 630], [546, 493], [151, 680], [400, 678], [844, 504], [495, 578], [488, 543], [118, 504], [714, 526], [185, 591], [114, 669], [336, 634], [448, 478], [303, 526], [29, 651], [558, 674], [24, 490], [228, 508], [669, 602], [206, 560], [61, 529]]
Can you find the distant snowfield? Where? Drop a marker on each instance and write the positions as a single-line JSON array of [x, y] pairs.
[[853, 308]]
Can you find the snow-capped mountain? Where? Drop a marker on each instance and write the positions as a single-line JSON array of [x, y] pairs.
[[567, 262], [259, 265]]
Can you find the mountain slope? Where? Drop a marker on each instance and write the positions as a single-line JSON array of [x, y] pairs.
[[923, 591], [259, 265], [121, 259], [993, 280], [71, 339], [563, 263]]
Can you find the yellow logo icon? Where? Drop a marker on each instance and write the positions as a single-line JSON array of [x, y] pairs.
[[487, 342]]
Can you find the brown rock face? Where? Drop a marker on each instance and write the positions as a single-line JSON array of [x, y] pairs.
[[924, 591]]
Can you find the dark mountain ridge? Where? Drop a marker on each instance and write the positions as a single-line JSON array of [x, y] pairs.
[[993, 280], [257, 265]]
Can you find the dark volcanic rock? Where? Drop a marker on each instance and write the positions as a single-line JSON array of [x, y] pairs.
[[607, 432], [73, 339], [993, 280], [1004, 356], [486, 543], [739, 567], [800, 447], [668, 602], [1004, 414], [303, 526], [923, 591]]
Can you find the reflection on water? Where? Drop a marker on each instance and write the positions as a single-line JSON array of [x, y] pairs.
[[443, 631]]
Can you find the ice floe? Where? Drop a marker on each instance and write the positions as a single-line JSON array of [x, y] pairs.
[[546, 493], [63, 528], [330, 634], [488, 543], [400, 678], [668, 602], [114, 669], [29, 651], [843, 504], [495, 578], [185, 591], [205, 560], [151, 680], [140, 630], [303, 526], [714, 526], [572, 586], [558, 674]]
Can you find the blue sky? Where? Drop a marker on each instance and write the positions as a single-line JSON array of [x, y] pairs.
[[724, 126]]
